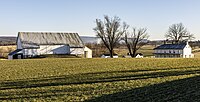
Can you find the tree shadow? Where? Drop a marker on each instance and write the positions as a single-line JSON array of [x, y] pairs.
[[183, 90], [85, 78]]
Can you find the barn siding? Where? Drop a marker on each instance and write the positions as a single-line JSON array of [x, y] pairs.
[[187, 52], [19, 43], [87, 52], [77, 51], [48, 49]]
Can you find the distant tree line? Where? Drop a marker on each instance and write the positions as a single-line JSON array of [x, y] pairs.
[[3, 43]]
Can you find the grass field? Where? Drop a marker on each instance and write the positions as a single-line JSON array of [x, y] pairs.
[[100, 80], [5, 50], [146, 50]]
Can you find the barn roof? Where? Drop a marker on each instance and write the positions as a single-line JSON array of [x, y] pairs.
[[14, 52], [171, 46], [35, 39]]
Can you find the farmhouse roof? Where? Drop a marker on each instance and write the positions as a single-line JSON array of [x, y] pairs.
[[171, 46], [34, 39]]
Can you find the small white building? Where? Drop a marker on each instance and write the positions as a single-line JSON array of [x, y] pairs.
[[87, 52], [108, 56], [139, 55], [30, 44], [173, 51]]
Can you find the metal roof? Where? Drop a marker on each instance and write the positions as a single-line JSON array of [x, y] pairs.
[[35, 39], [15, 52], [171, 46]]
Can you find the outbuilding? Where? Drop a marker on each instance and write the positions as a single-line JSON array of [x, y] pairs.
[[108, 56], [30, 44], [87, 52], [139, 55]]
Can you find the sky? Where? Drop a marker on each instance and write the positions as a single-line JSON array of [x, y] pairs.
[[79, 15]]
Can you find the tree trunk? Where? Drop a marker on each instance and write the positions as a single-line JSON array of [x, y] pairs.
[[130, 52], [129, 49], [134, 52], [111, 53]]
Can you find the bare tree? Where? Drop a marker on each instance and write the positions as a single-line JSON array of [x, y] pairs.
[[178, 33], [135, 40], [110, 31]]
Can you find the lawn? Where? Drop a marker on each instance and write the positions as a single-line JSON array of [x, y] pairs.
[[99, 80]]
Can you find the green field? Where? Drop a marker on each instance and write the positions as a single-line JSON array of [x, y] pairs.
[[99, 80]]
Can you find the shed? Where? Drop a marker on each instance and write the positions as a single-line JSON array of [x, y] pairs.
[[17, 54], [108, 56], [87, 52]]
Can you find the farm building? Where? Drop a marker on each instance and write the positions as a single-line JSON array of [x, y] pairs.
[[139, 55], [173, 51], [87, 52], [30, 44], [108, 56]]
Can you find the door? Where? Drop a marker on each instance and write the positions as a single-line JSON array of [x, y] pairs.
[[86, 54]]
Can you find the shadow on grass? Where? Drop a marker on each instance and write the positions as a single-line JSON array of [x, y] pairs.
[[184, 90], [89, 78]]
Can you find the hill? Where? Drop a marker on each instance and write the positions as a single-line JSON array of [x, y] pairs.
[[7, 40], [88, 39]]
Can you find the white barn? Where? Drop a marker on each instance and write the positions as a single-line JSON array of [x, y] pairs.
[[30, 44], [173, 51]]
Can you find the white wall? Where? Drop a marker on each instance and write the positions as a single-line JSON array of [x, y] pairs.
[[10, 57], [88, 52], [48, 49], [176, 51], [187, 52], [103, 56], [19, 44], [77, 51], [168, 53]]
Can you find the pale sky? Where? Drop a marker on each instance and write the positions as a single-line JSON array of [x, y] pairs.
[[79, 15]]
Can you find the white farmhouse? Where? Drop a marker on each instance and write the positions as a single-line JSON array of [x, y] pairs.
[[173, 51], [30, 44]]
